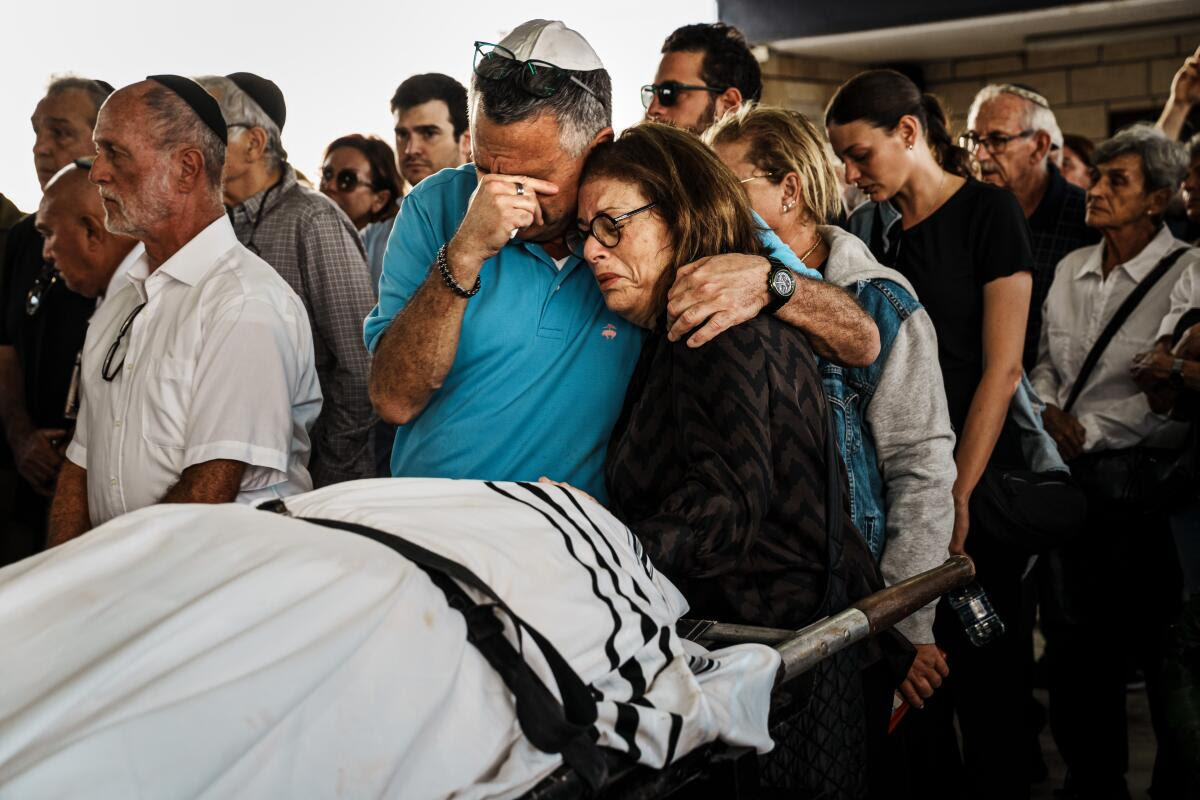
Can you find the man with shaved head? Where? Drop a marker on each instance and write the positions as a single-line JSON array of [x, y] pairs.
[[42, 323], [198, 377], [91, 259]]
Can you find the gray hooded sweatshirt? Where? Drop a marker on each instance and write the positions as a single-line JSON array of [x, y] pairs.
[[910, 424]]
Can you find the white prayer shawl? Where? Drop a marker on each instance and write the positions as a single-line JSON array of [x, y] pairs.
[[219, 651]]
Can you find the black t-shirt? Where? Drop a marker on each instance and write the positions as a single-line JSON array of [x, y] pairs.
[[47, 341], [977, 236]]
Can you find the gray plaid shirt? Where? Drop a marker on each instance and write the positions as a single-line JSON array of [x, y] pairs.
[[312, 244]]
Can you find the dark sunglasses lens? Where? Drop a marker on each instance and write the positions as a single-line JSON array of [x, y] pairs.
[[668, 93], [347, 181], [541, 79]]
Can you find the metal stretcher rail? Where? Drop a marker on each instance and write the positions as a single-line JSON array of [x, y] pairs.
[[730, 771]]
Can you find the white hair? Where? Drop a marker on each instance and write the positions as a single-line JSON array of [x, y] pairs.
[[241, 111], [1035, 114]]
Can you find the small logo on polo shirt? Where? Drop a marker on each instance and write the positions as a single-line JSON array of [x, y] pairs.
[[609, 332]]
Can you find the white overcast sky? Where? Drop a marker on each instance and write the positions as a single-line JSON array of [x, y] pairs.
[[336, 62]]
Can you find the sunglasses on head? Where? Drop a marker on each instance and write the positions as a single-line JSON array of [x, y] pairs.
[[536, 77], [344, 180], [668, 92]]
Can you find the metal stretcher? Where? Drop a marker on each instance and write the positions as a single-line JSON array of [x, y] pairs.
[[717, 770]]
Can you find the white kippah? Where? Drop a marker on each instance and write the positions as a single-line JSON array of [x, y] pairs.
[[552, 41]]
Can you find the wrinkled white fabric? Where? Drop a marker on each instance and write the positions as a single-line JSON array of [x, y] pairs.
[[218, 651]]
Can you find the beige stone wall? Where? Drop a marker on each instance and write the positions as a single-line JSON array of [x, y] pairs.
[[1083, 84], [804, 84]]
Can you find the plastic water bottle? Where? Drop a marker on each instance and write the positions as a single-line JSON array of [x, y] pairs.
[[975, 611]]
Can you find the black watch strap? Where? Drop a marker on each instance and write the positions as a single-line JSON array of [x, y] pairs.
[[776, 300]]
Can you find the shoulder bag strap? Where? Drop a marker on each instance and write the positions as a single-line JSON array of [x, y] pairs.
[[1118, 319]]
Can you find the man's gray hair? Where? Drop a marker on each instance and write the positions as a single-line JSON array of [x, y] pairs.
[[1036, 114], [581, 113], [176, 124], [96, 91], [241, 111], [1164, 162]]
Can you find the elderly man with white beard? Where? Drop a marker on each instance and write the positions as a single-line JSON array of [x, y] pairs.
[[199, 383]]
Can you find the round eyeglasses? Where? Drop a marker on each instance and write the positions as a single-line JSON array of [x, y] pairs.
[[605, 227]]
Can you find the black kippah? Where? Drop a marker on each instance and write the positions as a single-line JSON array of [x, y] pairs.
[[105, 85], [200, 101], [264, 92]]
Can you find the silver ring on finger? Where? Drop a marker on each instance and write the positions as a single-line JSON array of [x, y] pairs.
[[520, 188]]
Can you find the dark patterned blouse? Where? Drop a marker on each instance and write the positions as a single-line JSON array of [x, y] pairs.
[[717, 463]]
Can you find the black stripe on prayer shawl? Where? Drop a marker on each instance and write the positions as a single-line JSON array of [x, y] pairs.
[[631, 671], [627, 726], [616, 559], [664, 647], [673, 742], [649, 626], [610, 648]]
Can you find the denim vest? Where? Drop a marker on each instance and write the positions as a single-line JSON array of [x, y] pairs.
[[849, 391]]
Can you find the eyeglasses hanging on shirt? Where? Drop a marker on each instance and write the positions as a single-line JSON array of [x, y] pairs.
[[108, 371], [40, 289]]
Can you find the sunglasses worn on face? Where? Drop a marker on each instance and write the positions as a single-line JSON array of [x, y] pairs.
[[345, 180], [606, 229], [536, 77], [668, 92], [994, 142]]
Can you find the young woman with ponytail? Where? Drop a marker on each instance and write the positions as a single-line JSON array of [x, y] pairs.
[[964, 246]]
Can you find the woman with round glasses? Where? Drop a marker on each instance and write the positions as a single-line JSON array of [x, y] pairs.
[[359, 174], [964, 246], [719, 460]]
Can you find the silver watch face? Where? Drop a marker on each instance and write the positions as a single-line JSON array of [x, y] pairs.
[[783, 283]]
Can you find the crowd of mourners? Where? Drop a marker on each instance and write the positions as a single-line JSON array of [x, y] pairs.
[[802, 359]]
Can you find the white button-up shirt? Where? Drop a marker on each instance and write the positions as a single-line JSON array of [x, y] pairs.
[[217, 365], [1113, 411], [1185, 296]]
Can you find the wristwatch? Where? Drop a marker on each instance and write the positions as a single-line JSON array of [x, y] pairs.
[[781, 285], [1177, 373]]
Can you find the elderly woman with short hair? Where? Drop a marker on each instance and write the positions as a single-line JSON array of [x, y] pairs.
[[1123, 575]]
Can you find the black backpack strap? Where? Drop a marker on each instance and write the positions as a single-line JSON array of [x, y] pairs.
[[551, 726], [1118, 319]]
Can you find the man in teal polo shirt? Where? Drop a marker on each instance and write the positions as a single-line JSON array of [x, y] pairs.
[[494, 351]]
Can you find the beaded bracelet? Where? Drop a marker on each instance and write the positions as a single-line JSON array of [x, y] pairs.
[[448, 277]]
